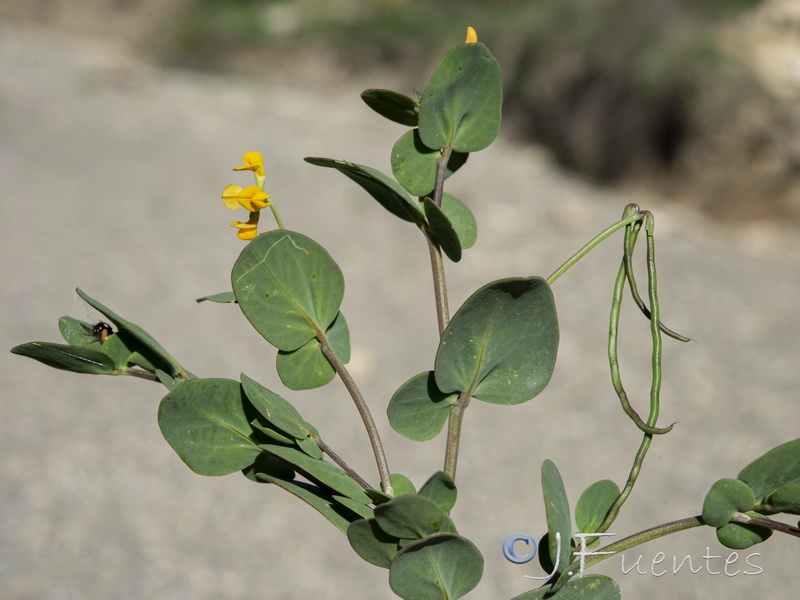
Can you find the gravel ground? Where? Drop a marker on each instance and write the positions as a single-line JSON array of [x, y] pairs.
[[110, 180]]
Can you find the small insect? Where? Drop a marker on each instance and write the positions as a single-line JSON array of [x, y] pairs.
[[99, 331]]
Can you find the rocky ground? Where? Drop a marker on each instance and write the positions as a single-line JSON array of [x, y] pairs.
[[110, 180]]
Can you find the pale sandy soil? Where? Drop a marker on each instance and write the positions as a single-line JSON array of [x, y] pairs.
[[110, 174]]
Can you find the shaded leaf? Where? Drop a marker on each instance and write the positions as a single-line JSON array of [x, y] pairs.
[[594, 504], [786, 499], [414, 165], [411, 516], [320, 471], [740, 536], [442, 230], [441, 489], [461, 219], [275, 409], [307, 367], [390, 194], [392, 105], [321, 500], [418, 410], [146, 345], [372, 543], [556, 508]]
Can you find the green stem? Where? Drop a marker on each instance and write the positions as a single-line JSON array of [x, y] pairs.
[[140, 374], [277, 216], [363, 410], [454, 433], [644, 536], [441, 170], [439, 285], [636, 216], [340, 461]]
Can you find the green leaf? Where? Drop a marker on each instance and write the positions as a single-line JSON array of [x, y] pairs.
[[442, 230], [307, 367], [275, 409], [556, 508], [414, 165], [725, 498], [392, 105], [441, 489], [418, 410], [444, 566], [411, 516], [146, 345], [79, 359], [779, 466], [786, 499], [77, 333], [461, 219], [401, 484], [321, 500], [320, 471], [461, 106], [591, 587], [372, 543], [390, 194], [267, 464], [740, 536], [594, 504], [501, 345], [222, 297], [205, 422], [288, 287]]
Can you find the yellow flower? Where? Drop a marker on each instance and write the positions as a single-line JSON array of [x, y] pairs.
[[249, 230], [253, 198], [253, 161], [472, 36]]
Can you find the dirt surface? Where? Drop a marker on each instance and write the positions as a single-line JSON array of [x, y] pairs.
[[110, 179]]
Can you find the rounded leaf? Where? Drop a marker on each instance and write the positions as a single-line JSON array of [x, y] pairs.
[[411, 517], [418, 410], [414, 165], [205, 422], [307, 367], [441, 489], [594, 504], [444, 566], [442, 230], [501, 345], [786, 499], [740, 536], [725, 498], [461, 106], [288, 287], [556, 508], [461, 219], [372, 543]]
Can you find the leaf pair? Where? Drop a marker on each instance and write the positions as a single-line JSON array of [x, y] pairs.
[[129, 346], [413, 537], [290, 289], [500, 347], [770, 483], [219, 426]]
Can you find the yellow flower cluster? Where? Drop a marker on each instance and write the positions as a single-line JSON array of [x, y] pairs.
[[253, 197]]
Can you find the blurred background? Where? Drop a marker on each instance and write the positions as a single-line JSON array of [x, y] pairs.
[[695, 99], [120, 121]]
